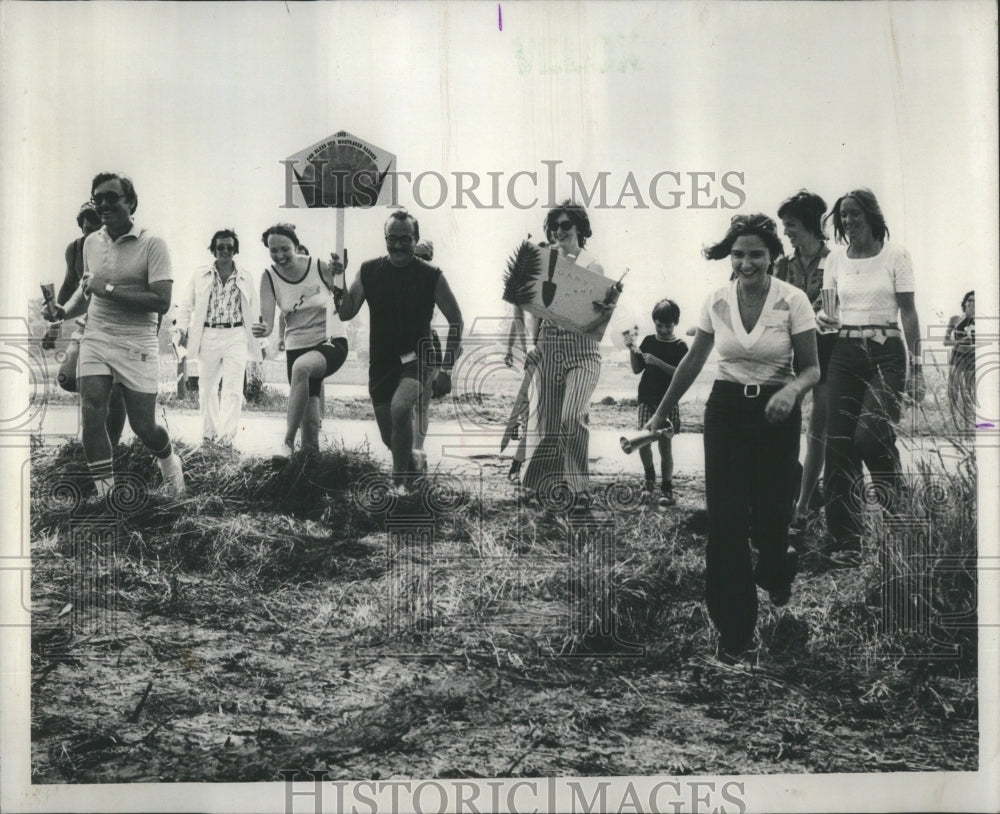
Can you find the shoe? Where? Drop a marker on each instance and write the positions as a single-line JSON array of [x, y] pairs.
[[403, 490], [818, 501], [667, 499], [783, 593], [283, 454], [797, 528], [173, 474], [514, 474], [581, 506]]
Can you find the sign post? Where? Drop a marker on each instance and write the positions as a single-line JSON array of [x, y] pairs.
[[339, 172]]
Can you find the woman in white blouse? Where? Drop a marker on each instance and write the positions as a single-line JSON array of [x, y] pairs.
[[873, 280], [764, 330]]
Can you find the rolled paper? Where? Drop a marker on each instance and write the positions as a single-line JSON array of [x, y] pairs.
[[644, 439], [49, 295]]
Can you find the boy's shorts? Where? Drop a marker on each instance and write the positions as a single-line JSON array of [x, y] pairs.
[[646, 412]]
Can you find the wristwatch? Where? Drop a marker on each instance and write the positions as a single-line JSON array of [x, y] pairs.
[[109, 287]]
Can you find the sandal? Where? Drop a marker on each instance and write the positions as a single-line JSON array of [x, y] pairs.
[[798, 526]]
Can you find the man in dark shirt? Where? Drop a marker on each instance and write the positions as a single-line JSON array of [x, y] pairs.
[[401, 291]]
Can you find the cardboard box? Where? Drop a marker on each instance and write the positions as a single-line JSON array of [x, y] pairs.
[[547, 285]]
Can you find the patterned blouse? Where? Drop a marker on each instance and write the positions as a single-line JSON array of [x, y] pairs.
[[224, 300], [805, 276]]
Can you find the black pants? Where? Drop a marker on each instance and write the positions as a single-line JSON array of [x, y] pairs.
[[866, 383], [749, 491]]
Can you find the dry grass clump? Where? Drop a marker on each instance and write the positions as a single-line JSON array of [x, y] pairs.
[[61, 483], [263, 552], [240, 516]]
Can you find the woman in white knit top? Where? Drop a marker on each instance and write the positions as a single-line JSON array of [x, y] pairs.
[[873, 280]]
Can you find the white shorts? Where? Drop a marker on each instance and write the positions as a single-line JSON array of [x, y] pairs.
[[134, 366]]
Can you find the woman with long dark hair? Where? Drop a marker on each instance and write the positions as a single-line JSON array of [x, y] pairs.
[[765, 332], [873, 280]]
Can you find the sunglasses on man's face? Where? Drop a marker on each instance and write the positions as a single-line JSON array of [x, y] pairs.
[[563, 226], [111, 198], [399, 240]]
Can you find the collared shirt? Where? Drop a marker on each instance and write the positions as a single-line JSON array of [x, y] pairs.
[[137, 258], [224, 299], [805, 276]]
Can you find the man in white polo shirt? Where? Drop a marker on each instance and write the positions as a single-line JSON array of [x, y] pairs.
[[214, 317], [127, 281]]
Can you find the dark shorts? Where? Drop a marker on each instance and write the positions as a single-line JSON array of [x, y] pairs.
[[646, 412], [383, 380], [824, 350], [333, 350]]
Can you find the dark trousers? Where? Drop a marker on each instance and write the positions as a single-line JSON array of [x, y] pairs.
[[749, 491], [962, 391], [866, 381]]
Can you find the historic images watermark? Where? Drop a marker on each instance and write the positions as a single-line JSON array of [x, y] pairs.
[[524, 189], [87, 572], [309, 790], [22, 359]]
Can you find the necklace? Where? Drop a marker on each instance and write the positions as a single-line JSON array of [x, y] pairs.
[[760, 299]]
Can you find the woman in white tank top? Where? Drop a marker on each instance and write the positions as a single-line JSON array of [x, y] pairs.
[[302, 288]]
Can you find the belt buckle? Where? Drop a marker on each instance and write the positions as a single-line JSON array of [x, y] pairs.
[[751, 391]]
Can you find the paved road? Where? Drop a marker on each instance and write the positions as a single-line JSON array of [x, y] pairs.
[[261, 434]]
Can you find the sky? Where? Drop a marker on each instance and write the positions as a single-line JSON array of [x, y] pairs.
[[199, 103]]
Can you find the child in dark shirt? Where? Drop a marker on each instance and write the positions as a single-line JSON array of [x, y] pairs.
[[657, 358]]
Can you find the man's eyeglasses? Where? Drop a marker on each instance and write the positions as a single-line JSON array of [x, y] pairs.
[[223, 248], [111, 198], [399, 240], [563, 226]]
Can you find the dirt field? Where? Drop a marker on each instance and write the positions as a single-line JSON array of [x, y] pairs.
[[299, 618]]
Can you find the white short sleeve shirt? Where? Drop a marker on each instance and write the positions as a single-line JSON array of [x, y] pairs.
[[867, 287], [765, 355]]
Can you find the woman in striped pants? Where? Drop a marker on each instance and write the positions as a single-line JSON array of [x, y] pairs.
[[568, 369]]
